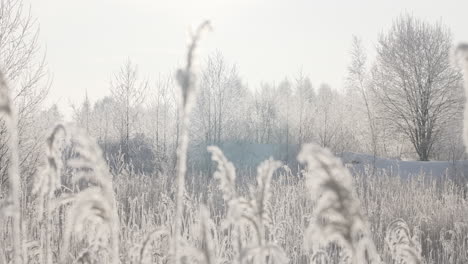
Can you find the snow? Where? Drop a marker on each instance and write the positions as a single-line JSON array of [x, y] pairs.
[[359, 162], [250, 155]]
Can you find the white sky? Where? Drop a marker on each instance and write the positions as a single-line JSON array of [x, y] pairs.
[[88, 40]]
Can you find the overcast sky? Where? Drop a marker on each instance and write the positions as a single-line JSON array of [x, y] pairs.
[[88, 40]]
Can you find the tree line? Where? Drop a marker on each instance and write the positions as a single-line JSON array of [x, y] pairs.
[[404, 103]]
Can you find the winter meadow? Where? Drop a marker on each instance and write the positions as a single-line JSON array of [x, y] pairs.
[[201, 166]]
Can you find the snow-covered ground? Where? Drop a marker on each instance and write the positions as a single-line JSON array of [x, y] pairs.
[[358, 162], [248, 155]]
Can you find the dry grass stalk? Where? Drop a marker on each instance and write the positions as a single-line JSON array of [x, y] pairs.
[[7, 112], [254, 211], [337, 216], [403, 248], [462, 54], [47, 182], [186, 80]]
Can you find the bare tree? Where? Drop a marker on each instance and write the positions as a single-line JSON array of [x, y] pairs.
[[101, 118], [129, 93], [160, 107], [218, 100], [305, 95], [358, 80], [284, 113], [266, 102], [159, 119], [326, 111], [81, 114], [414, 81], [23, 65]]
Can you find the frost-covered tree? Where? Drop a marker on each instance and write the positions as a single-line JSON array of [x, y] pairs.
[[220, 101], [285, 111], [417, 87], [266, 102], [159, 121], [128, 92], [304, 101], [159, 108], [23, 64], [327, 129], [82, 114], [102, 120], [359, 95], [21, 59]]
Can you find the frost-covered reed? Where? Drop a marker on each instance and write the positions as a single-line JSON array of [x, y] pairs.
[[187, 82], [462, 55], [254, 211], [337, 214], [91, 203], [12, 207], [403, 246], [47, 182]]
